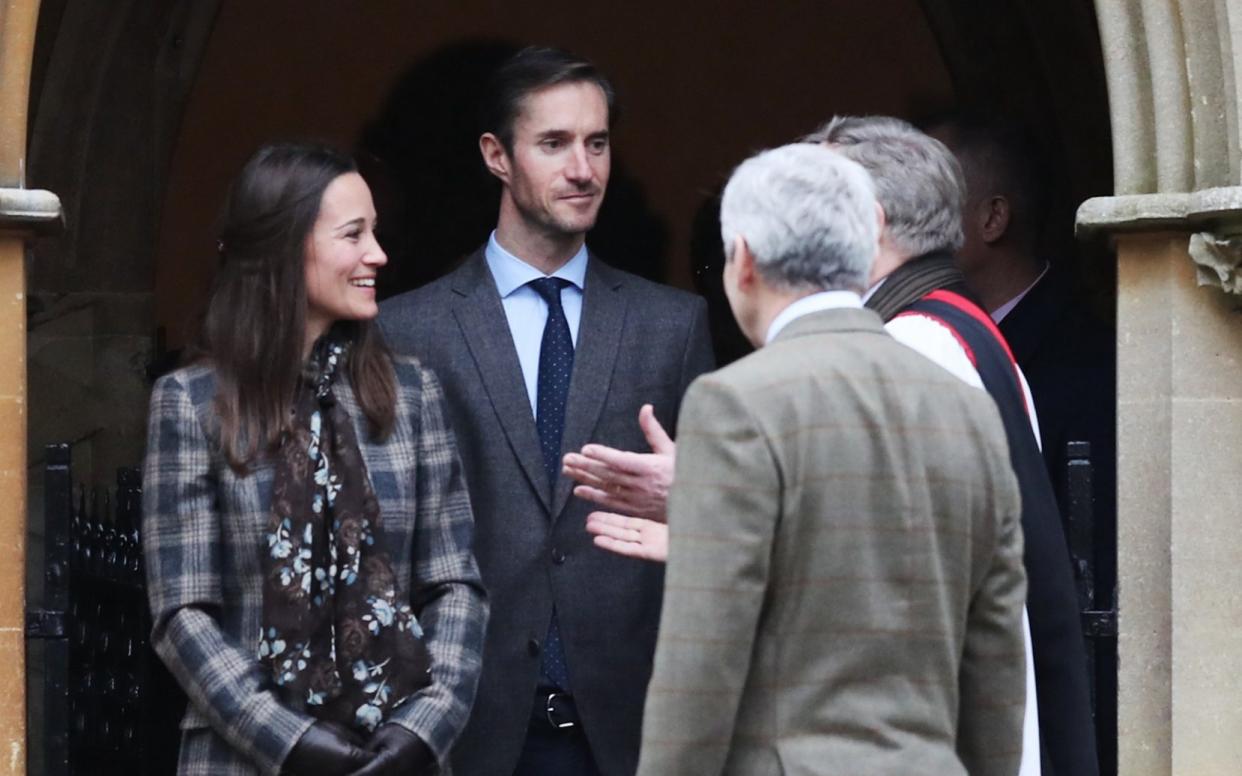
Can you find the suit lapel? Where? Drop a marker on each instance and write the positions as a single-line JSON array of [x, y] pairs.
[[485, 328], [599, 337]]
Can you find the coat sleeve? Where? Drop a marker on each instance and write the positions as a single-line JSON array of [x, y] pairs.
[[722, 521], [992, 680], [446, 590], [183, 544]]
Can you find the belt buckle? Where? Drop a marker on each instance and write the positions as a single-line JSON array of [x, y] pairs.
[[550, 708]]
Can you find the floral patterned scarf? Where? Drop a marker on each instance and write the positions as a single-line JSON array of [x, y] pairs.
[[338, 639]]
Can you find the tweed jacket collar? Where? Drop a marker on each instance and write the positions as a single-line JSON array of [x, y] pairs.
[[833, 321]]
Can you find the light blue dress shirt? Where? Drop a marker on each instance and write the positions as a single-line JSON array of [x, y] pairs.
[[525, 309]]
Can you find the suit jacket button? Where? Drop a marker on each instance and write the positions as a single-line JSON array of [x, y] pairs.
[[558, 557], [532, 647]]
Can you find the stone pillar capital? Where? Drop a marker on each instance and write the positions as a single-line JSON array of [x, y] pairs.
[[1217, 210], [1174, 71], [33, 212], [1211, 217]]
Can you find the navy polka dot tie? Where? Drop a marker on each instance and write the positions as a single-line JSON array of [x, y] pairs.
[[556, 365]]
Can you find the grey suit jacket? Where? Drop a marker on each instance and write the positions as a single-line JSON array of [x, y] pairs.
[[845, 584], [638, 342], [203, 532]]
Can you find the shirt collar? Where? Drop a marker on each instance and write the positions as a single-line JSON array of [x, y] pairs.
[[871, 291], [999, 314], [824, 300], [511, 273]]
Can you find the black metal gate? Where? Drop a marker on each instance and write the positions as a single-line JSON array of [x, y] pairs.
[[109, 706], [1091, 541]]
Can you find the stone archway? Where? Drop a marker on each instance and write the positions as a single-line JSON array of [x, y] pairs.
[[1173, 100], [23, 214]]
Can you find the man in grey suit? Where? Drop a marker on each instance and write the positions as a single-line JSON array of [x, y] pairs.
[[845, 584], [542, 347]]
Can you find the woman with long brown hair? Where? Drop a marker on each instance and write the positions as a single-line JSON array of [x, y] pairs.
[[306, 526]]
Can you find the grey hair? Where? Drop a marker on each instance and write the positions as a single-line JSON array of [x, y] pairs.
[[918, 181], [807, 215]]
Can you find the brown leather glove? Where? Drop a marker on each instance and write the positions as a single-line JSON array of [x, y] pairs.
[[326, 749], [397, 751]]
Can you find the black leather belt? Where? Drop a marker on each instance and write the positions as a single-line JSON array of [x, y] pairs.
[[556, 708]]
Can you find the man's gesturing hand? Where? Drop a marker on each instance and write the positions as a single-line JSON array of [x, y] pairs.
[[631, 483], [630, 536]]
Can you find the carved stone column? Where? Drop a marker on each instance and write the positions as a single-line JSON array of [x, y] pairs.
[[1179, 405], [1173, 94], [22, 214]]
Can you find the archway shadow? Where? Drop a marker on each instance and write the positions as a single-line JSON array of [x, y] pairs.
[[707, 261], [436, 201]]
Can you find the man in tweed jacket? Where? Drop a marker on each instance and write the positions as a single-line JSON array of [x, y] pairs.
[[844, 587], [202, 531]]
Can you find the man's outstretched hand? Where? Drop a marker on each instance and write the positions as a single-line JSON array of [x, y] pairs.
[[634, 537], [628, 483]]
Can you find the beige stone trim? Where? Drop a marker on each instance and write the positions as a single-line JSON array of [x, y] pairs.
[[1216, 209], [1179, 380], [18, 21], [1147, 294], [1211, 217]]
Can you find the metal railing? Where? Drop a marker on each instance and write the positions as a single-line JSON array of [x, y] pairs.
[[109, 706], [1097, 597]]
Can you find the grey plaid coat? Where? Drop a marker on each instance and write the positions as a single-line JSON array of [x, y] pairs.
[[202, 534]]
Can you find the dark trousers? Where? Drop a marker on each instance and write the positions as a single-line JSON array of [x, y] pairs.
[[551, 751]]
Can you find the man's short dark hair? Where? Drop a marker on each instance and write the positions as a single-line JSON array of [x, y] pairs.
[[529, 70], [1003, 154]]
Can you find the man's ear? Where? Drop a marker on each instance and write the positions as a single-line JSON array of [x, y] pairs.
[[495, 157], [745, 260], [883, 263], [994, 218]]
